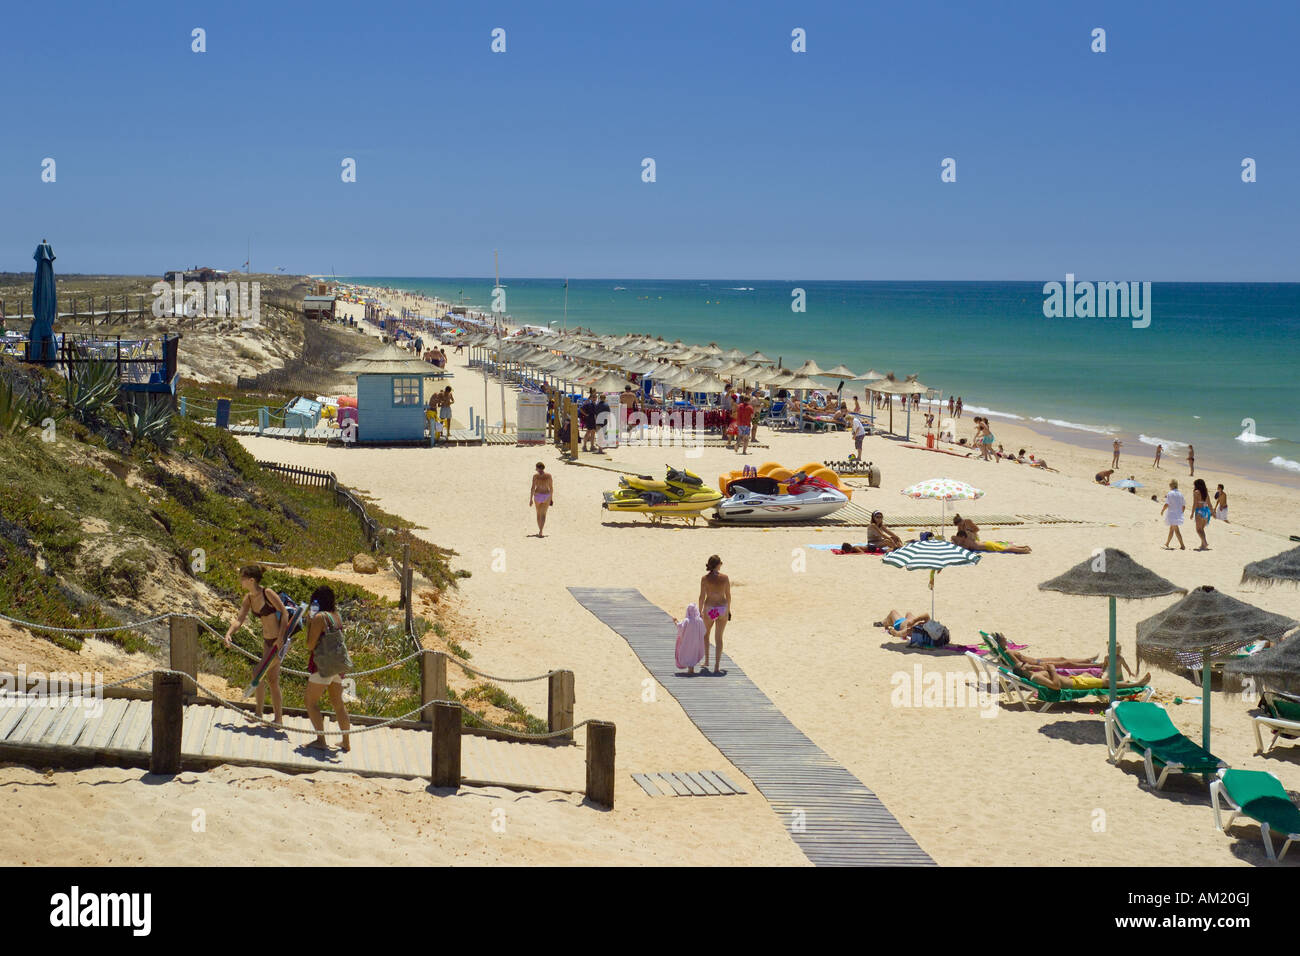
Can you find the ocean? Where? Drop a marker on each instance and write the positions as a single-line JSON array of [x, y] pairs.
[[1215, 367]]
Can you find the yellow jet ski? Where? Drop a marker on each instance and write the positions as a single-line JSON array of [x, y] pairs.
[[680, 493]]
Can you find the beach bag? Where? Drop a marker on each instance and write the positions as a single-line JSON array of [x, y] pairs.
[[929, 634], [331, 654]]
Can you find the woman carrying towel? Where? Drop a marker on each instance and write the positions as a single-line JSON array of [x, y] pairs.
[[266, 605], [326, 621], [715, 599]]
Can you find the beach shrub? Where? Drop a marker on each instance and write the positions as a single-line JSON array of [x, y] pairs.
[[13, 410], [91, 388], [150, 422]]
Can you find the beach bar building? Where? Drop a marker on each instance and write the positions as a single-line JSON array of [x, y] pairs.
[[391, 395], [318, 307]]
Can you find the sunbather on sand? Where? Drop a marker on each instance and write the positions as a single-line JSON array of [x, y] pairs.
[[966, 538], [1070, 663], [879, 534], [1048, 677], [902, 625]]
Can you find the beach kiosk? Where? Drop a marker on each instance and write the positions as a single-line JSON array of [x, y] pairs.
[[390, 395], [303, 413]]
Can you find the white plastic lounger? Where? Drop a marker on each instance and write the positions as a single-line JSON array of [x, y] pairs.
[[1258, 794]]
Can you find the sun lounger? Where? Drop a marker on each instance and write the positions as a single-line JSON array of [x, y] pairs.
[[1281, 716], [1144, 727], [1259, 795], [1024, 690]]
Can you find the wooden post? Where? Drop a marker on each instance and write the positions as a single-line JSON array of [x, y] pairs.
[[168, 719], [185, 647], [559, 703], [433, 680], [408, 582], [446, 745], [574, 438], [405, 599], [600, 763]]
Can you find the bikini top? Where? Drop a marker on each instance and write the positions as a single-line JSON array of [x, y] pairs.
[[267, 607]]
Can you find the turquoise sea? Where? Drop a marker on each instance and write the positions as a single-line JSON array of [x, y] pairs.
[[1215, 358]]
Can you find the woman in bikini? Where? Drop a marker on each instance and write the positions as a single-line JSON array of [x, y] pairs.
[[715, 602], [541, 495], [1047, 676], [880, 535], [1201, 510], [902, 625], [265, 604], [1069, 663], [326, 620]]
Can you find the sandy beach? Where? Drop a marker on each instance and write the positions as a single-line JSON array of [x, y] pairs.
[[973, 784], [954, 776]]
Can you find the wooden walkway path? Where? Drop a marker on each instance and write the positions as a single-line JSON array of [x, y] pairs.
[[214, 735], [829, 813]]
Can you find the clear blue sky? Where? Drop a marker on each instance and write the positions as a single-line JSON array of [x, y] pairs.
[[771, 164]]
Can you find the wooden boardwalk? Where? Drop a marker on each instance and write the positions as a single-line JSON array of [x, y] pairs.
[[829, 813], [214, 735]]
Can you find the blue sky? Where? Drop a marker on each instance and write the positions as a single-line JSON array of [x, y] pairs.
[[770, 164]]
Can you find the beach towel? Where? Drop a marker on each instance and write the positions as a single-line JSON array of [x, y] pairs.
[[691, 644]]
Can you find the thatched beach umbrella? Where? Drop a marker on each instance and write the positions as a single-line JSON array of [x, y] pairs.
[[1206, 625], [1276, 667], [1282, 568], [758, 358], [809, 368], [1112, 574]]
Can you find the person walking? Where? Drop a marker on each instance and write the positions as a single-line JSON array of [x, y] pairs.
[[1191, 461], [859, 433], [715, 599], [265, 604], [744, 425], [541, 495], [1159, 449], [1114, 453], [959, 406], [444, 410], [325, 638], [1172, 511], [1221, 504], [1201, 510]]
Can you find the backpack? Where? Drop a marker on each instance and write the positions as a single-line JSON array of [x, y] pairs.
[[331, 653], [292, 608], [929, 634]]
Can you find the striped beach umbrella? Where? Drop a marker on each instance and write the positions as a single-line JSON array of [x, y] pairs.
[[933, 555]]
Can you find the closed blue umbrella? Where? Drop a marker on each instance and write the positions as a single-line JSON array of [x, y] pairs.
[[40, 345]]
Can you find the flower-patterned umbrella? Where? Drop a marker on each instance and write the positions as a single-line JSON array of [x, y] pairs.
[[946, 490]]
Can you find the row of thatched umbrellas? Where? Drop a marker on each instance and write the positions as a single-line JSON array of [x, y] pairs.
[[591, 362], [1205, 626]]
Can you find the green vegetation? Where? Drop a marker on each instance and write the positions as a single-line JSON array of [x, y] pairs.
[[518, 715]]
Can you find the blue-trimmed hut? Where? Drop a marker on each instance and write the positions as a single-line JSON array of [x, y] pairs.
[[390, 395]]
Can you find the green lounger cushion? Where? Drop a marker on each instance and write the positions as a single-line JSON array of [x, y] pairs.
[[1149, 726], [1281, 707], [1262, 798]]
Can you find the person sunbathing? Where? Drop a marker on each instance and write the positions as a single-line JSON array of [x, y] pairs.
[[902, 625], [963, 540], [1047, 676], [847, 548], [1068, 663], [880, 535]]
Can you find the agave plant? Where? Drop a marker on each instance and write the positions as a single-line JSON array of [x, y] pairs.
[[150, 421], [38, 406], [90, 388], [13, 410]]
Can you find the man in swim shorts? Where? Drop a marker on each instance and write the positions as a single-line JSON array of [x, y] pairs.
[[744, 425], [1221, 504]]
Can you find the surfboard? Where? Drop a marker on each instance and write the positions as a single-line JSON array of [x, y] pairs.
[[265, 663]]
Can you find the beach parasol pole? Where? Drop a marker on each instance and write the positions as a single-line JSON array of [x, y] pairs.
[[1113, 663]]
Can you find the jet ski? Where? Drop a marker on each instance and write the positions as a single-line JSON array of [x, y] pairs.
[[761, 499], [679, 493]]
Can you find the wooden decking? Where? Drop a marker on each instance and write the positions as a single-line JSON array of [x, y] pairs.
[[827, 811], [121, 732]]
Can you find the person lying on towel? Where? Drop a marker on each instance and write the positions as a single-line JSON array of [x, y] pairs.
[[1064, 664], [902, 625]]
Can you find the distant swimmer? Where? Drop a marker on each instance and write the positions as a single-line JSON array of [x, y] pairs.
[[541, 495]]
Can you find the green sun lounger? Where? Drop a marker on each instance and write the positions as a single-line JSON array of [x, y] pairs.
[[1281, 716], [1144, 727], [1024, 689], [1260, 796]]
